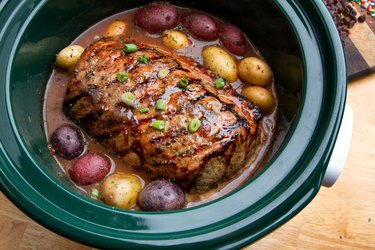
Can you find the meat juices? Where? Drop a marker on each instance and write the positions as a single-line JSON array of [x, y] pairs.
[[197, 160]]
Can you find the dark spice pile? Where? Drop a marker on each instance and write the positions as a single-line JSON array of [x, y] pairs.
[[344, 15]]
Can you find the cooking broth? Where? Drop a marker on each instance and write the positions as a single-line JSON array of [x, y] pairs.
[[58, 82]]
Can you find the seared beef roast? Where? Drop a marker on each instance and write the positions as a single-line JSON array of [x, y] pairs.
[[198, 160]]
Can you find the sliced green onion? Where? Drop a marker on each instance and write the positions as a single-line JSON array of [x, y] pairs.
[[128, 98], [161, 105], [163, 73], [158, 124], [144, 110], [184, 82], [130, 47], [136, 104], [194, 125], [122, 76], [219, 83], [94, 193], [142, 59]]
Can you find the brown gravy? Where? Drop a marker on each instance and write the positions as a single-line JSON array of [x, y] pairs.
[[58, 82]]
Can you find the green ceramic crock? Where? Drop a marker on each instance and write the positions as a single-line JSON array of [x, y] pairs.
[[288, 33]]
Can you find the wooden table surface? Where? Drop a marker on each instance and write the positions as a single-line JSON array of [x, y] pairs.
[[340, 217]]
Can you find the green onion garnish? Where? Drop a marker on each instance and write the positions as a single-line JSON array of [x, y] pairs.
[[94, 193], [130, 47], [142, 59], [128, 98], [219, 83], [184, 82], [122, 76], [161, 105], [158, 124], [144, 110], [163, 73], [194, 125]]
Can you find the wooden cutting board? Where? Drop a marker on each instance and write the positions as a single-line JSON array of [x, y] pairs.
[[360, 47]]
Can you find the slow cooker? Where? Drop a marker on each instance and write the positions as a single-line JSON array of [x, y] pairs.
[[300, 41]]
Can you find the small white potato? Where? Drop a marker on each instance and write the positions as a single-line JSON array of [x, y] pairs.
[[69, 56], [116, 28], [219, 61], [120, 190], [260, 97], [254, 70], [175, 39]]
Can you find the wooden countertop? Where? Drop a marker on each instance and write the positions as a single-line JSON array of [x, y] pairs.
[[340, 217]]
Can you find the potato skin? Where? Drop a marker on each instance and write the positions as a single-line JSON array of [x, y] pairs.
[[219, 61], [69, 56], [175, 39], [233, 39], [201, 26], [254, 70], [260, 97], [120, 190], [156, 17], [116, 28], [67, 141], [90, 168], [161, 195]]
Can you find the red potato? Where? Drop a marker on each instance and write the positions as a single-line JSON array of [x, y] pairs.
[[201, 26], [90, 168], [156, 17], [233, 39]]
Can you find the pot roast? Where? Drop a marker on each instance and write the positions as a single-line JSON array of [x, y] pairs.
[[227, 132]]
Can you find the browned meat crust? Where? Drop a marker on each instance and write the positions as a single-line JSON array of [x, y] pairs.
[[201, 159]]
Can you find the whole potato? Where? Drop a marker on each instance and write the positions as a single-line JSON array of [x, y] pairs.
[[67, 141], [219, 61], [201, 26], [69, 56], [156, 17], [260, 97], [116, 28], [90, 168], [233, 39], [161, 195], [254, 70], [120, 190], [175, 39]]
